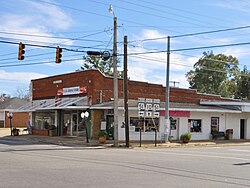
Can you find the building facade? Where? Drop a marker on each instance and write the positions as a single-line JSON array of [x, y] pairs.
[[59, 102]]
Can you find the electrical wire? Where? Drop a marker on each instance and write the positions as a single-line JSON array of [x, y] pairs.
[[151, 14], [38, 63], [185, 65], [164, 6]]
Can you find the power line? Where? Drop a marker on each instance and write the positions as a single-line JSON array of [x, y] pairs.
[[193, 34], [93, 13], [194, 48], [209, 32], [185, 11], [38, 63], [155, 15], [185, 65]]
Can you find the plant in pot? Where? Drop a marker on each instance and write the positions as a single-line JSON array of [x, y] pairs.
[[102, 135], [186, 137]]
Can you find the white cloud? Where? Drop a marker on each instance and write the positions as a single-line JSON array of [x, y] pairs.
[[35, 19], [242, 6], [20, 76], [57, 18]]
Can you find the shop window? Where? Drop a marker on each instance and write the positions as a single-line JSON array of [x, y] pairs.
[[195, 125], [173, 123], [44, 120], [146, 124]]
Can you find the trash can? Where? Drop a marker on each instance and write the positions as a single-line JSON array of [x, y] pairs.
[[229, 134]]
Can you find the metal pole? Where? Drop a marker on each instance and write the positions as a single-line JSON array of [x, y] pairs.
[[87, 136], [166, 127], [125, 79], [155, 137], [11, 130], [115, 84]]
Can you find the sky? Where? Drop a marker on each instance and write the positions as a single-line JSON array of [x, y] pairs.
[[87, 25]]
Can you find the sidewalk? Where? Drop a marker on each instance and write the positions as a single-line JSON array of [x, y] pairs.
[[80, 142]]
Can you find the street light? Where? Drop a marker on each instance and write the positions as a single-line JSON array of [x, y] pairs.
[[85, 116], [115, 79], [10, 116]]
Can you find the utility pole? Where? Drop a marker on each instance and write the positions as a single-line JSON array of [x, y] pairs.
[[115, 84], [167, 123], [125, 89]]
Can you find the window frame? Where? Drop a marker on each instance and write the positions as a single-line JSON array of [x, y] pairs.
[[191, 127]]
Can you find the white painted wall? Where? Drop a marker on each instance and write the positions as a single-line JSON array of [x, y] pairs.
[[226, 121]]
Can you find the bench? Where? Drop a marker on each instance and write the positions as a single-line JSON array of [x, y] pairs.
[[218, 134]]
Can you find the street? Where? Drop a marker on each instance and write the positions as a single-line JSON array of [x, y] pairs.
[[27, 164]]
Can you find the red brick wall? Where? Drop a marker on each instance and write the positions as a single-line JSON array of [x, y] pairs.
[[97, 83], [18, 120]]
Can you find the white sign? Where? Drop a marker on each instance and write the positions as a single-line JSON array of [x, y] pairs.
[[57, 81], [156, 107], [71, 90], [103, 125], [149, 107], [156, 101], [149, 100], [141, 100], [141, 113], [141, 106], [156, 114], [149, 114]]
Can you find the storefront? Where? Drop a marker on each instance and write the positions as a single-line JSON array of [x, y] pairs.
[[58, 103]]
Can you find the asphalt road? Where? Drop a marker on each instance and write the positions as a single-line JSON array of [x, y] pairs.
[[34, 165]]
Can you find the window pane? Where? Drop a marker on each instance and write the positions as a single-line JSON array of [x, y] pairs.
[[195, 125]]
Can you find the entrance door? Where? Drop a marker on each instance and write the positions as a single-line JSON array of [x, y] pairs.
[[242, 129], [74, 124], [110, 126], [174, 128]]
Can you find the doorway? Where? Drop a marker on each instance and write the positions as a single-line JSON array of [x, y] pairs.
[[242, 128], [174, 128]]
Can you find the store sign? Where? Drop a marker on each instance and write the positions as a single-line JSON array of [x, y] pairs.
[[72, 90], [57, 81]]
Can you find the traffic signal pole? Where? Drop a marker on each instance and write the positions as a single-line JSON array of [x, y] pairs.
[[125, 89], [115, 84]]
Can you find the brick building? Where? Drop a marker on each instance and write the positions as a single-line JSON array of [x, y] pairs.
[[58, 102], [10, 105]]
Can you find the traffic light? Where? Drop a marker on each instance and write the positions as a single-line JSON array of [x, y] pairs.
[[21, 51], [104, 55], [58, 55], [93, 53]]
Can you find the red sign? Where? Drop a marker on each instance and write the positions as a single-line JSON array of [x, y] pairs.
[[176, 113]]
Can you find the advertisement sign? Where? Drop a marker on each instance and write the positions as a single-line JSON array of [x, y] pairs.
[[72, 90]]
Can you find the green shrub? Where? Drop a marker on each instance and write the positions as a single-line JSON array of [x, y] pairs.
[[186, 135], [102, 133]]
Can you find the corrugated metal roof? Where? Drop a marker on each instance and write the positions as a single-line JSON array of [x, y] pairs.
[[12, 103]]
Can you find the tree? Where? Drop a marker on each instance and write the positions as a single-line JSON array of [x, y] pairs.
[[22, 93], [215, 74], [243, 84], [96, 62]]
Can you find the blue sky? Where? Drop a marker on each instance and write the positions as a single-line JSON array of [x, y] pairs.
[[87, 25]]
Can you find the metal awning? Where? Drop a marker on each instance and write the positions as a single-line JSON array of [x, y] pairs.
[[72, 103]]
